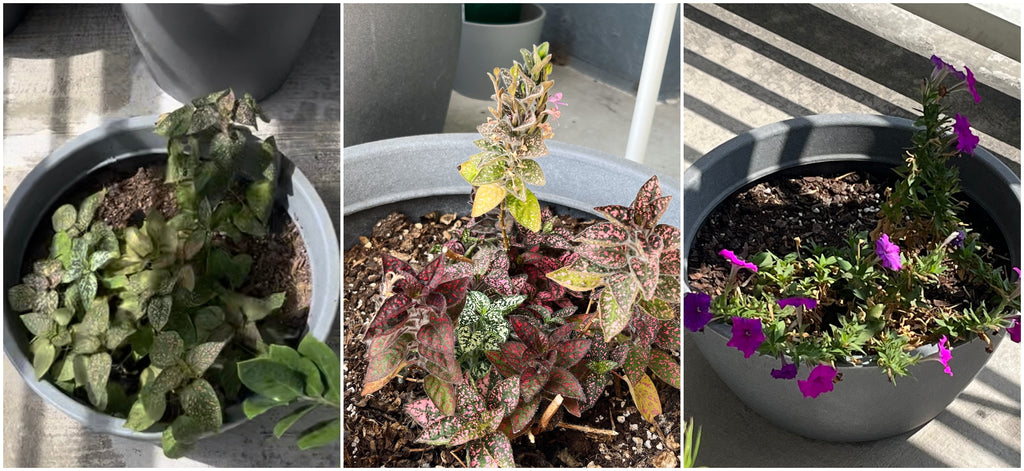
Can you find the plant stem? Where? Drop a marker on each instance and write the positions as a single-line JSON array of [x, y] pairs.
[[501, 223], [550, 411], [585, 429]]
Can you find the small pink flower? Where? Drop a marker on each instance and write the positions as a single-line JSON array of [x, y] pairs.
[[730, 256], [556, 100], [945, 355]]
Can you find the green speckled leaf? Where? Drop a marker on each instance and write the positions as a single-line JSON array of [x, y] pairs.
[[611, 315], [200, 402], [441, 393], [22, 298], [41, 325], [167, 349], [159, 311], [489, 174], [531, 172], [202, 356], [64, 218], [147, 410], [575, 280]]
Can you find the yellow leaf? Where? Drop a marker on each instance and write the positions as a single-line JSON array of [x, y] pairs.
[[487, 197], [468, 171], [645, 397]]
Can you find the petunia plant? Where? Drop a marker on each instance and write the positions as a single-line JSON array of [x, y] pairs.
[[869, 300]]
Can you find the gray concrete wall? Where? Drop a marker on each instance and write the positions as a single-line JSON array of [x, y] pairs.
[[607, 42]]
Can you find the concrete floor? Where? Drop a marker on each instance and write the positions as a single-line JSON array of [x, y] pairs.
[[746, 66], [66, 70]]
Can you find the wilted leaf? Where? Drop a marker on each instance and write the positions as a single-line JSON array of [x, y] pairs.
[[487, 197], [645, 396], [575, 280]]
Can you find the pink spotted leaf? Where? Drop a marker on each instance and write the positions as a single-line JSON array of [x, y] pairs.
[[668, 289], [492, 451], [499, 363], [383, 367], [441, 431], [593, 387], [604, 234], [669, 263], [669, 335], [606, 257], [468, 401], [636, 362], [560, 334], [423, 411], [618, 215], [571, 352], [561, 381], [646, 272], [665, 367], [454, 291], [475, 427], [645, 328], [504, 396], [532, 381], [611, 316], [670, 236]]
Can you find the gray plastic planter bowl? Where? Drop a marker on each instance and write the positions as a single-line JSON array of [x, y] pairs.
[[194, 50], [864, 406], [122, 141], [418, 174]]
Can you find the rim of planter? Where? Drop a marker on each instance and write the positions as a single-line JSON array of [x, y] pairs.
[[816, 140], [384, 173], [122, 140]]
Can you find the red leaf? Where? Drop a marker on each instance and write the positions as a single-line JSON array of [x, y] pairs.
[[439, 337], [561, 381], [529, 333], [394, 265], [445, 373], [441, 393], [431, 274], [500, 364], [648, 192], [513, 353], [560, 334], [390, 314], [618, 355], [434, 302], [571, 352], [572, 406], [532, 381], [454, 292], [383, 342], [665, 367], [383, 367]]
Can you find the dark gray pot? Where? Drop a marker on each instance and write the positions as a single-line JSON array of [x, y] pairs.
[[127, 141], [864, 406], [484, 45], [416, 175], [193, 50], [13, 12], [399, 68]]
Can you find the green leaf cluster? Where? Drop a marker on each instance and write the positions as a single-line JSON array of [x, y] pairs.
[[482, 326], [308, 378], [221, 172]]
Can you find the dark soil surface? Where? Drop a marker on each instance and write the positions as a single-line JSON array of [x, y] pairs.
[[379, 433], [821, 209], [767, 217]]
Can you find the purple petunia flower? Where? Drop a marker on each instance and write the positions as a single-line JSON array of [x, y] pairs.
[[1014, 329], [888, 252], [965, 140], [958, 241], [971, 82], [807, 303], [941, 65], [788, 371], [819, 381], [729, 255], [747, 335], [696, 311], [945, 355]]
